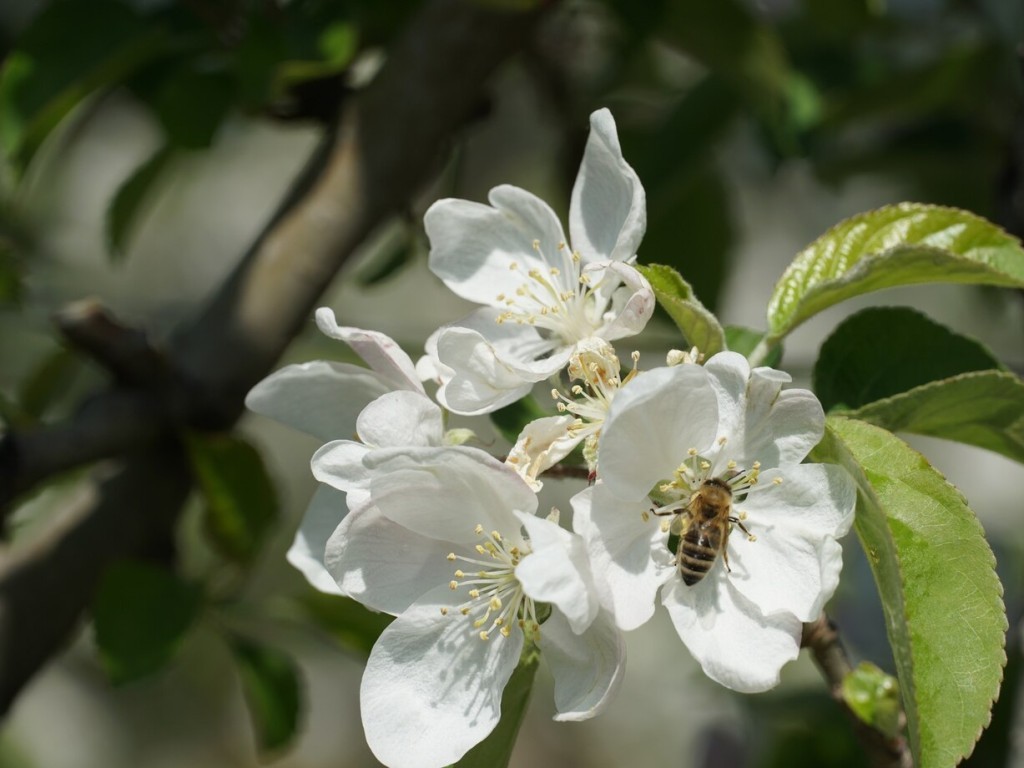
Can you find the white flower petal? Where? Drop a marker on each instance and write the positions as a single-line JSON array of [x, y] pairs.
[[542, 444], [608, 210], [817, 500], [399, 419], [472, 246], [781, 570], [729, 373], [432, 689], [632, 303], [483, 377], [795, 562], [320, 398], [762, 422], [652, 422], [558, 571], [325, 511], [733, 642], [628, 557], [381, 564], [587, 668], [339, 464], [378, 350], [443, 493]]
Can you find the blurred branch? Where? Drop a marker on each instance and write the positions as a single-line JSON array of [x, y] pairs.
[[389, 141], [822, 639], [124, 351]]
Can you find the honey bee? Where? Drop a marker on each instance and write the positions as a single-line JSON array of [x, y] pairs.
[[706, 530]]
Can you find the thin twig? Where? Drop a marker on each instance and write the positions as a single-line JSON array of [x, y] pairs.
[[822, 639]]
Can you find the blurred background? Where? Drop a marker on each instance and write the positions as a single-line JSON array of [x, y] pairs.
[[145, 144]]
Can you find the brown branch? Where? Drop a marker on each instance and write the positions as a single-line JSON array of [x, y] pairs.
[[125, 352], [390, 140], [822, 639]]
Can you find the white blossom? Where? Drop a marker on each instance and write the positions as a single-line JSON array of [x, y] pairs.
[[325, 399], [546, 441], [542, 295], [449, 543], [668, 433]]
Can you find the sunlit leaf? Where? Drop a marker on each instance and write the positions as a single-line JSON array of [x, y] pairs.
[[984, 408], [936, 576], [883, 351], [699, 327], [141, 614], [745, 341], [874, 697], [901, 244]]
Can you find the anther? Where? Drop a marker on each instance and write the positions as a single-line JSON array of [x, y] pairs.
[[450, 557], [453, 584]]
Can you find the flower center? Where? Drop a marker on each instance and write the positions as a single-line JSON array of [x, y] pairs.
[[700, 502], [496, 599], [596, 365], [561, 299]]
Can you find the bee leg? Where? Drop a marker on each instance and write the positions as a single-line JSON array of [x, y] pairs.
[[743, 528], [725, 559], [664, 513]]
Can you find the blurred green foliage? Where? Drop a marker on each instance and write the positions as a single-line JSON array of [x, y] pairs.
[[928, 96]]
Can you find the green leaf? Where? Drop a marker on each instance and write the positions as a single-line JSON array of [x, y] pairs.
[[936, 577], [900, 244], [270, 682], [984, 408], [140, 616], [352, 624], [874, 697], [10, 273], [337, 45], [883, 351], [241, 505], [746, 340], [69, 50], [192, 103], [699, 327], [48, 382], [130, 199], [496, 750]]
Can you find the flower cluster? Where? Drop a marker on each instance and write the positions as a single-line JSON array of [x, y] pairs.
[[694, 487]]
